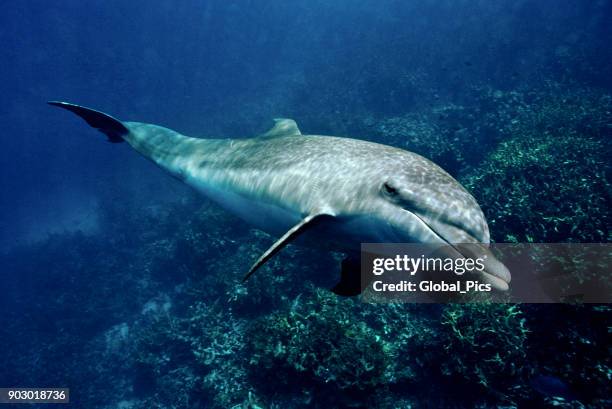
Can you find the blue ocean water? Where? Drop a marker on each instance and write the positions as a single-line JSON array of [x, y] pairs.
[[122, 283]]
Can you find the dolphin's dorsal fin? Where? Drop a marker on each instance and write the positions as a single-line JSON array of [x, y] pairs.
[[282, 127], [306, 223]]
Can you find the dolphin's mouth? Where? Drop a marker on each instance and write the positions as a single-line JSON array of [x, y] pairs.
[[499, 280], [494, 273]]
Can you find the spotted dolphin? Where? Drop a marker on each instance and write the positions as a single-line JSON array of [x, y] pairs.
[[323, 191]]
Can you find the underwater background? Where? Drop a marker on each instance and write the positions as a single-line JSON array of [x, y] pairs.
[[124, 285]]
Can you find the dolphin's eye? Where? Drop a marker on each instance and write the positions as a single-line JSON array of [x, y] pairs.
[[389, 189]]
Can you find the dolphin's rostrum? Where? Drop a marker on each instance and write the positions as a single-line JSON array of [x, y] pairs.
[[325, 191]]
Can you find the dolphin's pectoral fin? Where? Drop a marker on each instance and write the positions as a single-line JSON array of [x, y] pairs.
[[282, 127], [307, 223], [350, 278], [111, 127]]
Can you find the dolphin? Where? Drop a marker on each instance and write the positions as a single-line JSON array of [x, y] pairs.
[[322, 191]]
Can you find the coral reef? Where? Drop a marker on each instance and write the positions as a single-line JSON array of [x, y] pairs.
[[485, 344], [548, 178], [322, 344]]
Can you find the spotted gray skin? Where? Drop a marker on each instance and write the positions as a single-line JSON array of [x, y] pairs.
[[369, 192]]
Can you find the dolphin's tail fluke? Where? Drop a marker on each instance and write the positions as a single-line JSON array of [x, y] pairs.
[[111, 127]]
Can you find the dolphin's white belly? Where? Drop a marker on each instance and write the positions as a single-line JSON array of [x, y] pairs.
[[344, 234], [267, 217]]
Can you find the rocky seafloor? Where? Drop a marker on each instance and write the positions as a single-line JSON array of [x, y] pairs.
[[148, 310]]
